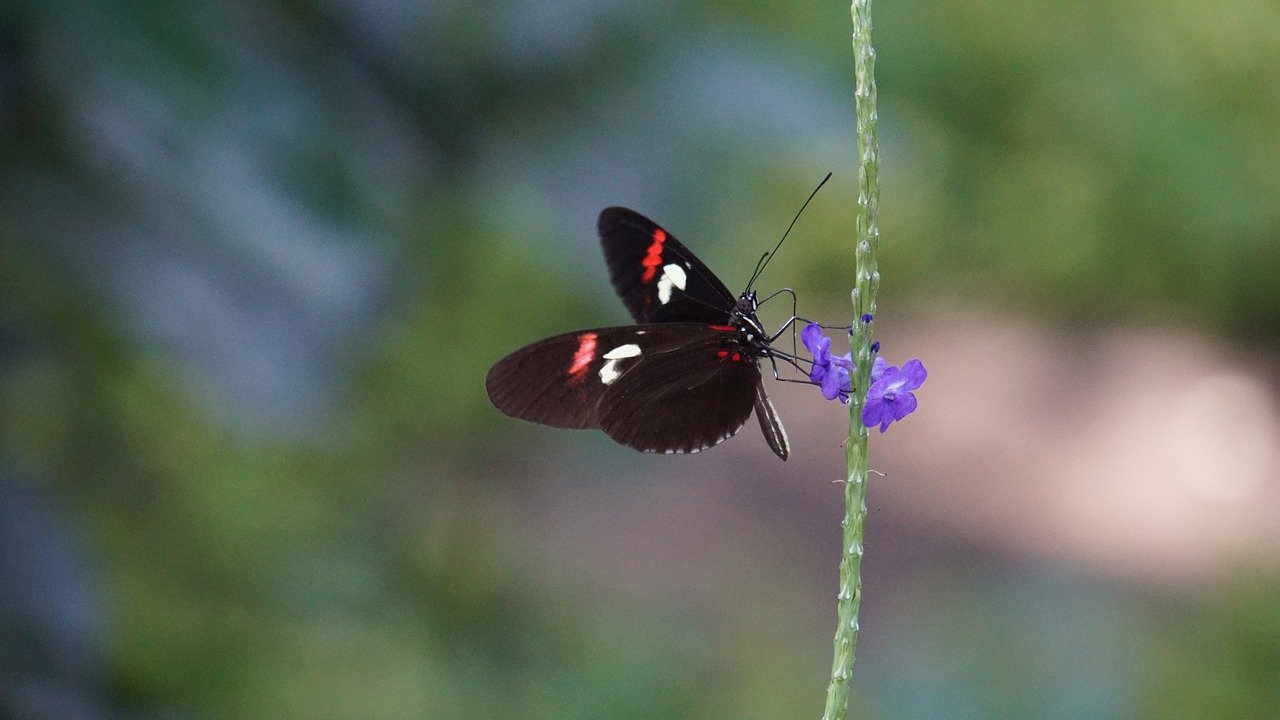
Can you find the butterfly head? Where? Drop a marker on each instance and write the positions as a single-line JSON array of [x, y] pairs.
[[743, 314]]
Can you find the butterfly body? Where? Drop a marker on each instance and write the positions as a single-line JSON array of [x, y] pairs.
[[683, 379]]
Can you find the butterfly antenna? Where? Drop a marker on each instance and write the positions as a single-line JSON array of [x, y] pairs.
[[764, 259], [759, 264]]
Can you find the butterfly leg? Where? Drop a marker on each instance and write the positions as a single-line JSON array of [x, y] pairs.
[[775, 355]]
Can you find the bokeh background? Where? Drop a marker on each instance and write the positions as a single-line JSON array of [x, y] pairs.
[[257, 257]]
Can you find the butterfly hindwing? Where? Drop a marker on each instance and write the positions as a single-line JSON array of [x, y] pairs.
[[685, 399], [658, 278]]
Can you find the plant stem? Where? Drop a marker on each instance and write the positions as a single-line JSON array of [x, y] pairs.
[[864, 304]]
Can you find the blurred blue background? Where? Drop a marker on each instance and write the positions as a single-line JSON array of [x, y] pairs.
[[257, 257]]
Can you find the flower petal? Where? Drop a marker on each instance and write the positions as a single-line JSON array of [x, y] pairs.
[[833, 383], [876, 391], [821, 351], [913, 370], [811, 335], [891, 377], [817, 373], [878, 366], [904, 406], [872, 411]]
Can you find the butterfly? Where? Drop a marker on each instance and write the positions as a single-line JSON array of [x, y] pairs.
[[684, 378]]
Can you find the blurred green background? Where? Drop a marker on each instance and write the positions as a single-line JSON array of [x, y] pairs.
[[257, 257]]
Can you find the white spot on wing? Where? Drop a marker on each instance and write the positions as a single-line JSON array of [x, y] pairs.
[[610, 372], [622, 351], [672, 276]]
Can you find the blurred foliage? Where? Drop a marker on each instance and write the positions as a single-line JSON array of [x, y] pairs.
[[255, 259], [1221, 658], [1090, 155]]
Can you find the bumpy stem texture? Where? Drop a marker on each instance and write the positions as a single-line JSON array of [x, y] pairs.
[[864, 306]]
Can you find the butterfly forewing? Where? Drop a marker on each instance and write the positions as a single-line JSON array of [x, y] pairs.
[[560, 381], [545, 382], [656, 276]]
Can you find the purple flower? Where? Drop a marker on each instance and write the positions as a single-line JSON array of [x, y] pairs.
[[877, 368], [889, 398], [830, 372]]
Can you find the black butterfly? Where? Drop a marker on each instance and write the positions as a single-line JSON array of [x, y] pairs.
[[686, 377]]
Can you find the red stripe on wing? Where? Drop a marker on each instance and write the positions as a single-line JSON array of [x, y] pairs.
[[582, 358], [653, 256]]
